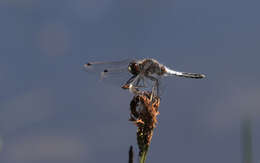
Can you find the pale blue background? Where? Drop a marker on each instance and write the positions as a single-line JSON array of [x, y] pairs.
[[51, 111]]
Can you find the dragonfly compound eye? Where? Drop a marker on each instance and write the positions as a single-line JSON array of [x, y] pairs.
[[133, 68]]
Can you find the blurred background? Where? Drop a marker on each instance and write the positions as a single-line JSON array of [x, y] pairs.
[[52, 111]]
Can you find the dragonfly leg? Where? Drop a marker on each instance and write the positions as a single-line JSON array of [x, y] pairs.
[[133, 86], [129, 81], [140, 83], [155, 88]]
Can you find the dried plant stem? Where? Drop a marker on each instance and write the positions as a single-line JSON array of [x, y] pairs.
[[131, 155], [246, 135], [144, 111]]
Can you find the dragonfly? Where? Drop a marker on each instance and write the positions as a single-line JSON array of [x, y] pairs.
[[137, 75]]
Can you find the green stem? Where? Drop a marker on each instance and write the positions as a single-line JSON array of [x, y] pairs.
[[144, 154]]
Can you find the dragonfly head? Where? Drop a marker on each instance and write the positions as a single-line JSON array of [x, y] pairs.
[[134, 68]]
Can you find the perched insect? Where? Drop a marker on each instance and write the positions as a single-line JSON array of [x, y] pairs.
[[141, 73]]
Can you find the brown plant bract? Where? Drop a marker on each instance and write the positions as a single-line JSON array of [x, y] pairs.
[[144, 111]]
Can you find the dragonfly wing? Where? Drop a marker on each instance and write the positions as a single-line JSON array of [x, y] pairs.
[[115, 73], [116, 77], [100, 67]]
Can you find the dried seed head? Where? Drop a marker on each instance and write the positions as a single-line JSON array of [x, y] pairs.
[[144, 113]]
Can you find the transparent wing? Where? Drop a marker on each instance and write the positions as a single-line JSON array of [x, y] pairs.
[[118, 76], [100, 67], [115, 72]]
